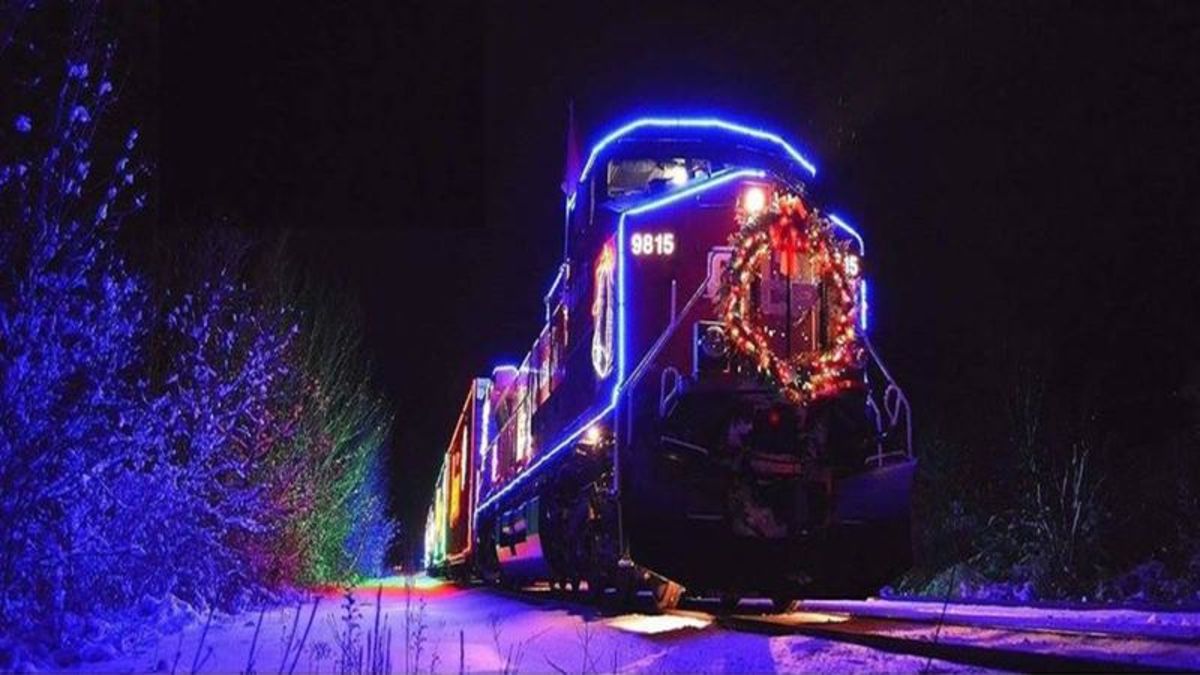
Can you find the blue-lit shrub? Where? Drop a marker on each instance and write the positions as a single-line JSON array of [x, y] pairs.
[[73, 473], [198, 438]]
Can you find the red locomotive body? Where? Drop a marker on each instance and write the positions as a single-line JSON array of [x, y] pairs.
[[703, 409]]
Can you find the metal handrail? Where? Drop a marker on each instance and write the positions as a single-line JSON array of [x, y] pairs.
[[667, 333], [894, 407], [665, 397]]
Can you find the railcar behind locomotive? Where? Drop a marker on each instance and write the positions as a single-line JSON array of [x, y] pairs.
[[703, 411]]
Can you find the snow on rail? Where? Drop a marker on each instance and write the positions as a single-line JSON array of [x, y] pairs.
[[1156, 625]]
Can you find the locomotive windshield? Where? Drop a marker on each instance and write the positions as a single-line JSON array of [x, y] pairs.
[[647, 176]]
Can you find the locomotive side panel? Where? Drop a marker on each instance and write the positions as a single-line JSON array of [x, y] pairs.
[[540, 411], [564, 382]]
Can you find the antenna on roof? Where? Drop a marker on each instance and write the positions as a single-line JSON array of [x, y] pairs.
[[571, 170]]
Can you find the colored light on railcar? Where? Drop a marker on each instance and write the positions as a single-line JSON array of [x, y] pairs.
[[485, 427], [455, 497], [524, 439], [602, 313], [593, 435], [462, 475]]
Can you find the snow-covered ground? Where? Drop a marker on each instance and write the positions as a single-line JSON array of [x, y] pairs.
[[478, 629], [1113, 622], [1038, 637], [484, 630]]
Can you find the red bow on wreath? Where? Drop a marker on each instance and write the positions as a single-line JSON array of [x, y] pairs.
[[791, 206], [789, 243], [786, 236]]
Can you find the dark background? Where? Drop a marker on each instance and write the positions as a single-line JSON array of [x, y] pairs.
[[1024, 174]]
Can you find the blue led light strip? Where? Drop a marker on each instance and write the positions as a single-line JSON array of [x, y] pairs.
[[841, 224], [696, 123], [862, 288], [715, 182], [862, 251], [485, 428]]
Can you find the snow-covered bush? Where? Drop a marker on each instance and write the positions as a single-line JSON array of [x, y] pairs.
[[197, 439], [1017, 511], [268, 411], [1057, 523], [223, 418], [71, 320], [345, 428], [371, 530]]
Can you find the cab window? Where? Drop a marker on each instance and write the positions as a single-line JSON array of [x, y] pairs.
[[628, 177]]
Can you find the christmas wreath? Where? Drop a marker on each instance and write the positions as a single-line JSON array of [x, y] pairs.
[[790, 230]]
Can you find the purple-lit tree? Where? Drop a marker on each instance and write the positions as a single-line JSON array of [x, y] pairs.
[[226, 414], [345, 533], [272, 428]]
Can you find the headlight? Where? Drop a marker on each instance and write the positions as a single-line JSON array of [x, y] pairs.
[[754, 199], [593, 435]]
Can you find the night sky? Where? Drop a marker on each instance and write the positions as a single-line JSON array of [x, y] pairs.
[[1025, 173]]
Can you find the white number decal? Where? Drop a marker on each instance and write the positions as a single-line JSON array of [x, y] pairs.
[[652, 243]]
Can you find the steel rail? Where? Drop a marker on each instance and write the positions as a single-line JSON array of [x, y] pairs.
[[874, 633]]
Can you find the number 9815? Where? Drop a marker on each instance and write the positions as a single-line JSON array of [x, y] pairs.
[[652, 243]]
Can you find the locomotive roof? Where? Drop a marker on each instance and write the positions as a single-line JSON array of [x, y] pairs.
[[685, 135]]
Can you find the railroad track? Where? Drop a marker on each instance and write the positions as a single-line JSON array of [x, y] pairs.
[[1033, 648], [1002, 649]]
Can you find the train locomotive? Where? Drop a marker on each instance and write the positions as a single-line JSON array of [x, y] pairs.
[[703, 411]]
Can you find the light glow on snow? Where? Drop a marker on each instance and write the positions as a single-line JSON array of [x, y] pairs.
[[657, 624]]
